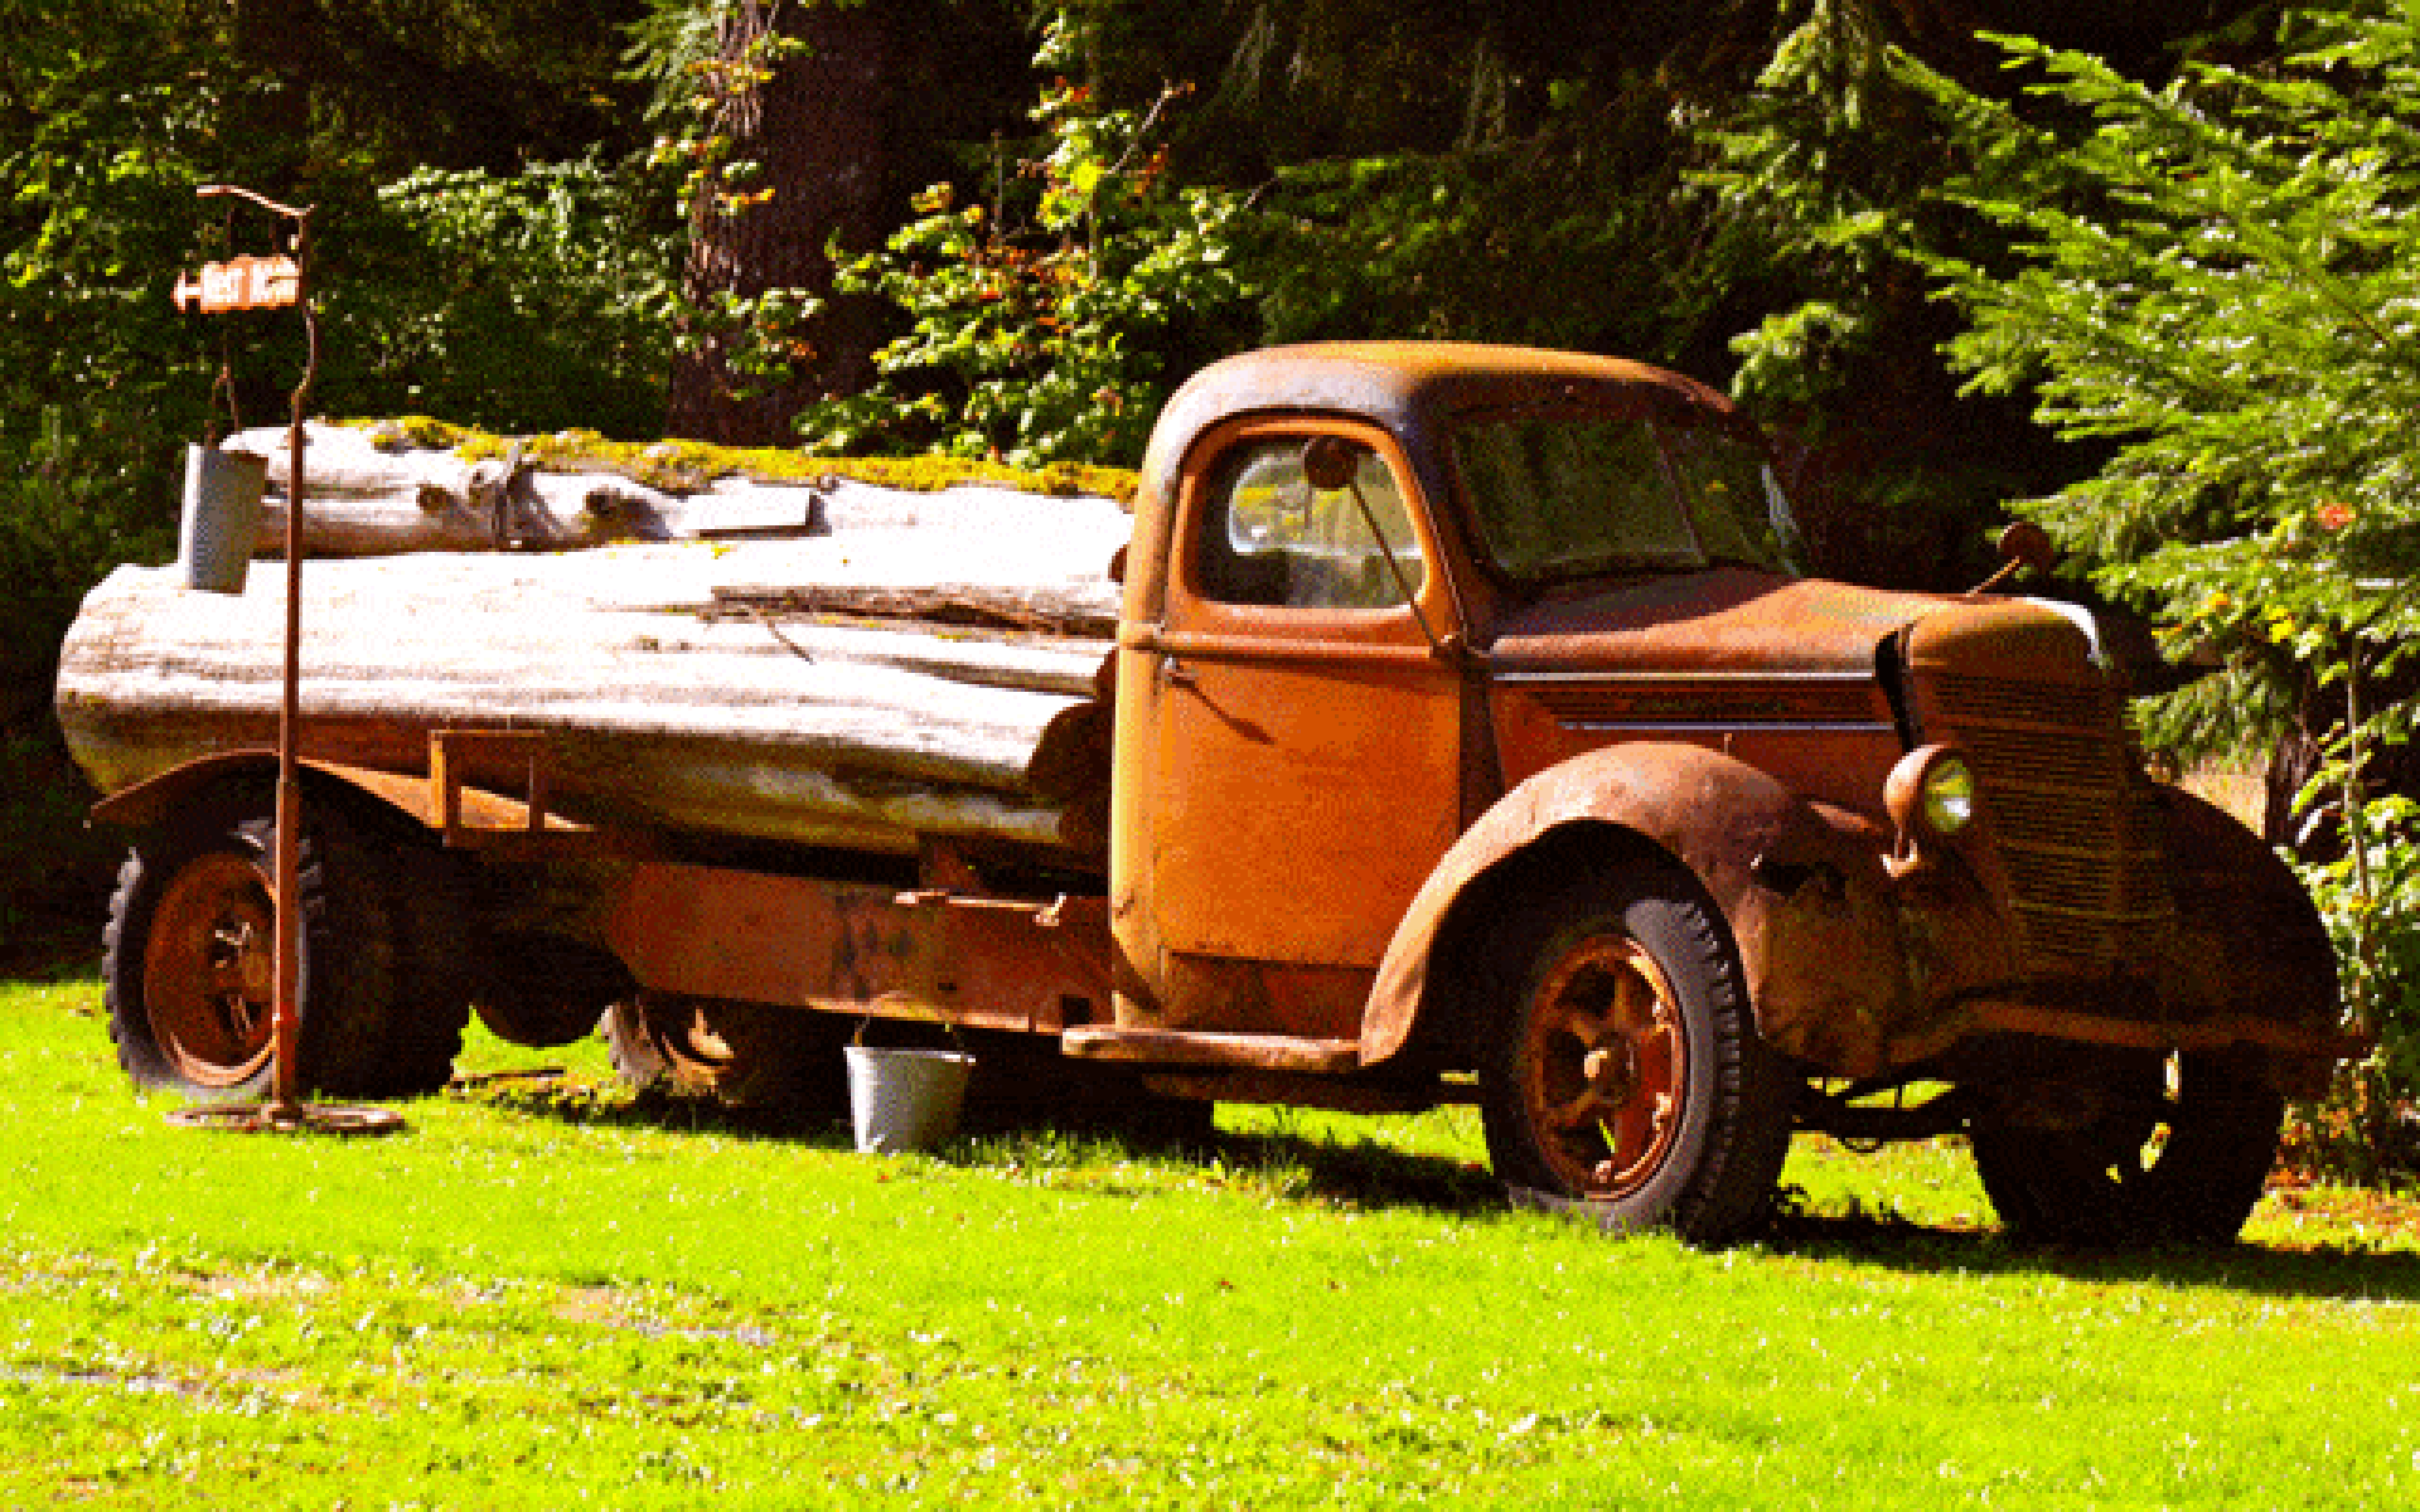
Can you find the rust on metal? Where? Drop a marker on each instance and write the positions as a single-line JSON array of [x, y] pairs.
[[488, 821], [1032, 967], [1605, 1071], [209, 969], [1178, 1047]]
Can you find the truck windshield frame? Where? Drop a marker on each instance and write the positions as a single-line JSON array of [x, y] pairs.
[[1562, 493]]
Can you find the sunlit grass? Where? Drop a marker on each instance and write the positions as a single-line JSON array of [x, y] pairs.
[[543, 1294]]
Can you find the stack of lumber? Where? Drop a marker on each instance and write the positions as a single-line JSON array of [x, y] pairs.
[[928, 664]]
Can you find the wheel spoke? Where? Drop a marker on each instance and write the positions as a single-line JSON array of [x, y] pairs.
[[1608, 1065], [1635, 1003], [1658, 1058], [1575, 1114]]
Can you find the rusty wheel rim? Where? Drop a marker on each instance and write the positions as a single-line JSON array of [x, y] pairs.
[[1606, 1069], [690, 1039], [208, 971]]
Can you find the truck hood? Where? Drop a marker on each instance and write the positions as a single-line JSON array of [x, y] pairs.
[[1728, 619]]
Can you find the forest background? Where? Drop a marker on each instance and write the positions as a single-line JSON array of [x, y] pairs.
[[2149, 279]]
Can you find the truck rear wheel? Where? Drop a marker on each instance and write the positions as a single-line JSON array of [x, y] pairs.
[[741, 1053], [1624, 1075], [189, 969], [2181, 1157]]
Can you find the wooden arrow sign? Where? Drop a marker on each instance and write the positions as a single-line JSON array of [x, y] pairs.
[[242, 284]]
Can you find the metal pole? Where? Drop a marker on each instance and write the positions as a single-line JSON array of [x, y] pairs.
[[286, 1028], [227, 287]]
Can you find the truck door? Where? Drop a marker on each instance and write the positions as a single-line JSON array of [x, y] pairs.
[[1306, 734]]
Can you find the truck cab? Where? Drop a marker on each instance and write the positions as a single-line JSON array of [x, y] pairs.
[[1474, 717]]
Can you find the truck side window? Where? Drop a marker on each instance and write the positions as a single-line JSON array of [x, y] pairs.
[[1266, 537]]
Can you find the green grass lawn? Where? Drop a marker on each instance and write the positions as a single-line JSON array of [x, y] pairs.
[[541, 1295]]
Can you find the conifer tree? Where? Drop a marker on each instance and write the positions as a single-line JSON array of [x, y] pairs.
[[2220, 284]]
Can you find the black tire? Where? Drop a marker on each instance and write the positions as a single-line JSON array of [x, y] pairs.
[[541, 992], [741, 1054], [1621, 1074], [2180, 1156], [431, 905], [188, 960]]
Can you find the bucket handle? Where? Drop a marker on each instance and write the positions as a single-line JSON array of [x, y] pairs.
[[957, 1041]]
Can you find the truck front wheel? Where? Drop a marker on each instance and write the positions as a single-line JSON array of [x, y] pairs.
[[1624, 1075], [2181, 1153], [189, 969]]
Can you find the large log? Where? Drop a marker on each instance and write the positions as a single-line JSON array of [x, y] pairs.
[[677, 687]]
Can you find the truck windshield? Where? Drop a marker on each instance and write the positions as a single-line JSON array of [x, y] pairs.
[[1565, 494]]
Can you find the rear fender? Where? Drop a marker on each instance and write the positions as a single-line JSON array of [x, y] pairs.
[[1801, 885], [156, 800]]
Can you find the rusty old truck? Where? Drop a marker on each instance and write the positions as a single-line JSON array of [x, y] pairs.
[[1473, 735]]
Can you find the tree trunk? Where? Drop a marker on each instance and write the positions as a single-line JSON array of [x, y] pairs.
[[816, 125]]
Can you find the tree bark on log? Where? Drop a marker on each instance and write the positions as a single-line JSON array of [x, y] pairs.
[[360, 499], [669, 704]]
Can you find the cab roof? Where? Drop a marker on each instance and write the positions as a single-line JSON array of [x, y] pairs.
[[1408, 388]]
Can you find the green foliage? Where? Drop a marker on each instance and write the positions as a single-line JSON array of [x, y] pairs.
[[1586, 217], [1828, 169], [531, 301], [2221, 284], [708, 65], [395, 85], [1049, 325], [74, 500], [1821, 157], [102, 136]]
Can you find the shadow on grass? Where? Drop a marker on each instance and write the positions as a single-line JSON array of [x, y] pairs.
[[1357, 1173], [1365, 1175], [2320, 1273]]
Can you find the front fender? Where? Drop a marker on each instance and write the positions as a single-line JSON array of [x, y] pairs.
[[1801, 885], [2249, 940]]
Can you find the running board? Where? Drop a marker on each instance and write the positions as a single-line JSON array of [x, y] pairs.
[[1182, 1048]]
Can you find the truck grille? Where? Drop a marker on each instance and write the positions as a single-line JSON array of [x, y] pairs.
[[2074, 829]]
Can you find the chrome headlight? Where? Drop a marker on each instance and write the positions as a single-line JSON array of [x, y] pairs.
[[1932, 796], [1947, 796]]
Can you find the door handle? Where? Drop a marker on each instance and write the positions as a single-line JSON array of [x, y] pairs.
[[1175, 674]]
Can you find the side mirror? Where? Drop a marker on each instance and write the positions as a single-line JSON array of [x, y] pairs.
[[2028, 545], [1328, 463], [2024, 547]]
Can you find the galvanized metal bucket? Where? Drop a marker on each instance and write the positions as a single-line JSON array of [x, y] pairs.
[[221, 519], [904, 1099]]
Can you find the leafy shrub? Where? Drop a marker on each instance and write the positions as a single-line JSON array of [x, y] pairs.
[[532, 301], [74, 501]]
